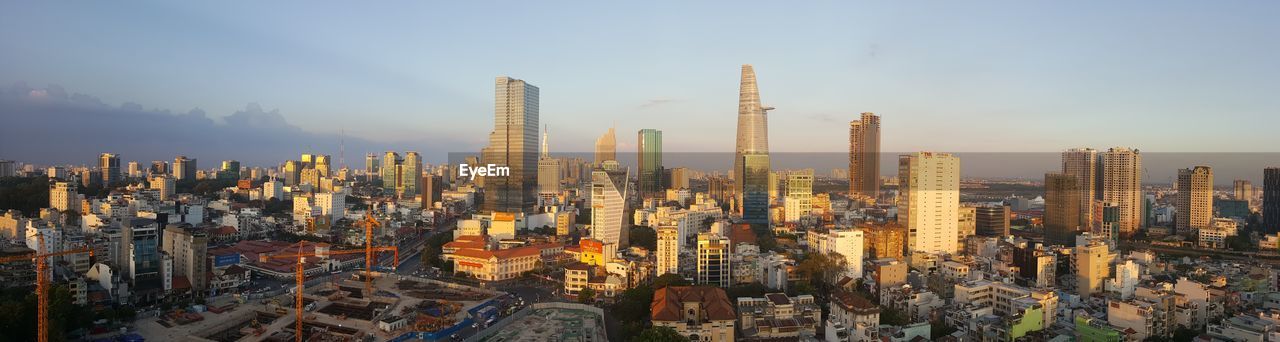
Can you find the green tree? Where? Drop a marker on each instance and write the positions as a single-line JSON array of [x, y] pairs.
[[644, 237], [659, 334], [587, 296], [27, 195], [669, 279], [631, 309], [893, 316]]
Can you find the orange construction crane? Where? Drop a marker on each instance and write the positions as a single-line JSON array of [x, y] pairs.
[[42, 281], [301, 277], [369, 222]]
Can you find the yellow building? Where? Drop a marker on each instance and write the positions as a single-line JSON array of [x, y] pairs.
[[592, 252], [500, 264]]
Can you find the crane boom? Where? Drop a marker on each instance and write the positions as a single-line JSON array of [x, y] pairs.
[[42, 281], [300, 277]]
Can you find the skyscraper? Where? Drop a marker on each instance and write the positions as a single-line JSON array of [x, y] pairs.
[[390, 172], [1271, 200], [864, 157], [292, 171], [608, 207], [1062, 209], [929, 201], [606, 147], [1243, 191], [1082, 164], [184, 168], [513, 144], [751, 154], [548, 169], [230, 170], [370, 166], [649, 155], [1121, 171], [1195, 199], [109, 165], [410, 175]]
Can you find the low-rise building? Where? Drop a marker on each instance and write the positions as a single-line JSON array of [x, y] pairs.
[[858, 315], [778, 316], [701, 313]]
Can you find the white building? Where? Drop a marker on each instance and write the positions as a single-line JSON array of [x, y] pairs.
[[848, 242], [163, 184], [273, 189], [63, 196], [608, 206], [332, 204], [668, 252], [929, 201], [1215, 235]]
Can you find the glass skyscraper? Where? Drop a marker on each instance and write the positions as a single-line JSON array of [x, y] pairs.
[[751, 155], [649, 155], [513, 144]]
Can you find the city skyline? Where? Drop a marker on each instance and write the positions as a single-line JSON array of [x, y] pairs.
[[875, 70]]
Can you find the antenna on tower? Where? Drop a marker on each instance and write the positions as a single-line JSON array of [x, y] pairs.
[[342, 147]]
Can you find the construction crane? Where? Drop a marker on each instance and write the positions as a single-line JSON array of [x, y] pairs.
[[369, 222], [301, 277], [42, 281]]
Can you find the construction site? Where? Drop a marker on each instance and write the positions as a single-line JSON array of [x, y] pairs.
[[337, 310]]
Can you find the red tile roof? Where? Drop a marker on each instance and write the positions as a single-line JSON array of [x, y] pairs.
[[669, 301]]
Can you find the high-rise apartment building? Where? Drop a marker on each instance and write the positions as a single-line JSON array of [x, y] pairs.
[[189, 248], [1195, 199], [184, 168], [609, 190], [1271, 200], [63, 196], [432, 190], [513, 144], [929, 201], [668, 252], [1082, 164], [1121, 171], [713, 260], [649, 160], [751, 153], [1062, 220], [324, 165], [109, 165], [864, 157]]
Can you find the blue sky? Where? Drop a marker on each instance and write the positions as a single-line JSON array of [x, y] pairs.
[[1168, 76]]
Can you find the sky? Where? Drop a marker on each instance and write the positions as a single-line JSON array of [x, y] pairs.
[[971, 76]]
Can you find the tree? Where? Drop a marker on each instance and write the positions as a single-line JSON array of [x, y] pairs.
[[669, 279], [631, 309], [754, 290], [27, 195], [587, 296], [659, 334], [644, 237], [893, 316]]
